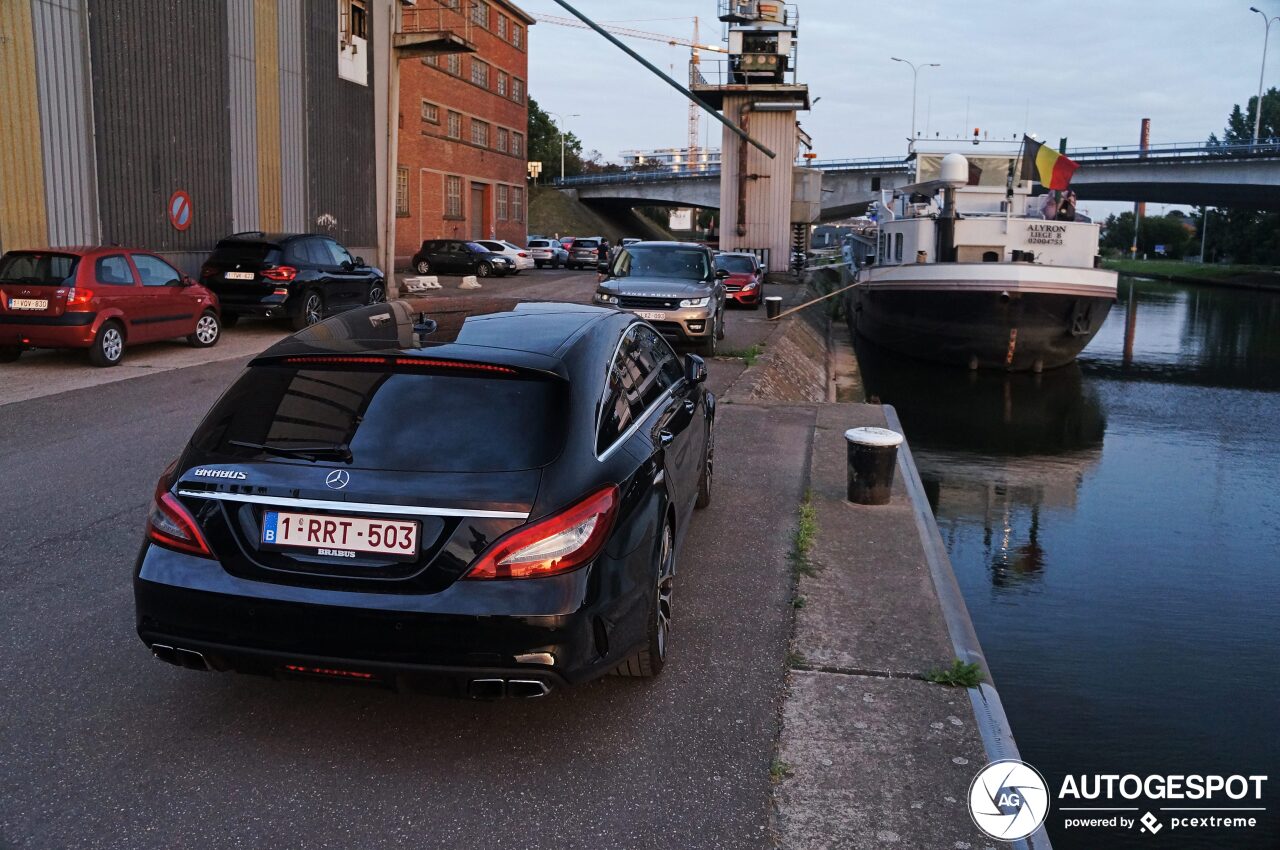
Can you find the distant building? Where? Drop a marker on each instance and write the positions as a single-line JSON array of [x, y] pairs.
[[463, 124], [677, 159], [167, 126]]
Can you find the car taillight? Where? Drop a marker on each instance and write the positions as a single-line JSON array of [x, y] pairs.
[[560, 543], [285, 273], [207, 270], [79, 297], [521, 254], [171, 525]]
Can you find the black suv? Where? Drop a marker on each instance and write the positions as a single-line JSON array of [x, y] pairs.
[[457, 256], [302, 276]]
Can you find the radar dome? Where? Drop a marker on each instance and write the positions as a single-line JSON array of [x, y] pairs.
[[955, 170]]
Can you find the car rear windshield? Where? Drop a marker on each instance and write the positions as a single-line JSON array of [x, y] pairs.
[[539, 243], [477, 248], [243, 251], [661, 261], [38, 268], [736, 265], [434, 422], [587, 243]]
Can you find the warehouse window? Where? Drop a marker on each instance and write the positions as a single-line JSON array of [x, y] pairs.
[[479, 133], [502, 84], [353, 34], [501, 203], [480, 13], [402, 191], [503, 141], [502, 26], [453, 197], [480, 73], [433, 60], [517, 203], [517, 144], [430, 112], [517, 35], [455, 125], [517, 89], [453, 64]]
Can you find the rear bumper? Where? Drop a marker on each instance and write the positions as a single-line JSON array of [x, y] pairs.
[[469, 631], [267, 306], [70, 330]]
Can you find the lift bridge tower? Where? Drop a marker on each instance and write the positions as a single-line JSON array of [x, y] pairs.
[[755, 87]]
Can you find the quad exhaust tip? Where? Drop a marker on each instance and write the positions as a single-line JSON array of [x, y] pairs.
[[179, 657], [491, 689]]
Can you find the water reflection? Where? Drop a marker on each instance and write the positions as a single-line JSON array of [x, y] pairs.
[[993, 448]]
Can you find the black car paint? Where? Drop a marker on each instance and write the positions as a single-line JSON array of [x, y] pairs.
[[422, 621], [458, 256], [343, 282]]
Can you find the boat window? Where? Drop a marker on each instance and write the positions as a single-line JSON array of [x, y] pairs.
[[897, 247]]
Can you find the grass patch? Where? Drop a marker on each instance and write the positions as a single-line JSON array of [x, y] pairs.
[[958, 675], [798, 602], [804, 535], [795, 659], [779, 770], [1180, 269], [749, 355]]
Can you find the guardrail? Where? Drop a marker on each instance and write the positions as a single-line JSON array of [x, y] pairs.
[[1172, 151]]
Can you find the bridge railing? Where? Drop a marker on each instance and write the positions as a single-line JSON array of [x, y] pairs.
[[653, 175], [1176, 150]]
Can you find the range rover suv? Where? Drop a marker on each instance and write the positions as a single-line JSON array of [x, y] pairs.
[[301, 276]]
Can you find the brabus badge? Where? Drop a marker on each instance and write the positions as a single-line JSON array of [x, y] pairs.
[[220, 473]]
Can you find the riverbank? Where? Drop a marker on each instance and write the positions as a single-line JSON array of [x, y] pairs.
[[1239, 276]]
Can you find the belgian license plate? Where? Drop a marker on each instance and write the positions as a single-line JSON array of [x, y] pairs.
[[239, 275], [340, 536], [650, 316], [28, 304]]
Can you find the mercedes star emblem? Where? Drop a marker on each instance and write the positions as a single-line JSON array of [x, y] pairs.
[[338, 479]]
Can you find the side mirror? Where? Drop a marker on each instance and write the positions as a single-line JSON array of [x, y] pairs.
[[603, 268], [695, 369], [186, 281], [360, 263], [722, 273]]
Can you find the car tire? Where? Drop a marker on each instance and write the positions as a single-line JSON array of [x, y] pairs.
[[310, 310], [538, 264], [230, 320], [649, 660], [107, 348], [720, 326], [9, 353], [708, 344], [759, 300], [208, 331], [707, 476], [484, 270], [422, 267], [377, 292]]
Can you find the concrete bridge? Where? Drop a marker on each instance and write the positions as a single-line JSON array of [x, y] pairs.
[[1196, 174]]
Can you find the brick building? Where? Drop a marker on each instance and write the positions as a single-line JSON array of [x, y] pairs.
[[463, 120]]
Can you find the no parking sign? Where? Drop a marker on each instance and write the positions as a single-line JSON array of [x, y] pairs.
[[180, 210]]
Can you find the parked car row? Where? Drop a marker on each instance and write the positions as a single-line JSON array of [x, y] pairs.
[[104, 298]]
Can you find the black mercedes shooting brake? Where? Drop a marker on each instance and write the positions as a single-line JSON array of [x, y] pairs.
[[485, 493]]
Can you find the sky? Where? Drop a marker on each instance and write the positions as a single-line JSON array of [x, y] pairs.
[[1089, 70]]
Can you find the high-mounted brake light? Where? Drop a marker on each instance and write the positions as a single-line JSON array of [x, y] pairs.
[[285, 273], [560, 543], [415, 362], [171, 524]]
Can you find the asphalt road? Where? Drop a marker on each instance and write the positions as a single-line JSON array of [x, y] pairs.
[[101, 746]]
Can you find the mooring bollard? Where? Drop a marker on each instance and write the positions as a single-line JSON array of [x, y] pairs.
[[872, 456], [772, 306]]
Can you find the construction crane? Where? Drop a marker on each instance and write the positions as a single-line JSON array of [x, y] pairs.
[[693, 45]]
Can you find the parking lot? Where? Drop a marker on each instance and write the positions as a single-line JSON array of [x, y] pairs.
[[102, 746]]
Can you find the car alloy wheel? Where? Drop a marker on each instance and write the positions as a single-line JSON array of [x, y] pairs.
[[422, 267], [665, 590], [311, 309], [207, 330], [376, 294], [108, 345], [708, 471], [484, 270]]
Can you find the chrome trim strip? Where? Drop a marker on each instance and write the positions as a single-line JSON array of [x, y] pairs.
[[358, 507]]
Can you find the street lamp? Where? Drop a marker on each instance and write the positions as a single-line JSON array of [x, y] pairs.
[[560, 130], [914, 72], [1257, 119]]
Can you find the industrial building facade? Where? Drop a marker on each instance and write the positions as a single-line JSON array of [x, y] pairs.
[[168, 124], [462, 159]]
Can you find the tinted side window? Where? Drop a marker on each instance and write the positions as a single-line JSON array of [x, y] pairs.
[[318, 254], [617, 412], [670, 371], [113, 270], [295, 253], [646, 355], [338, 253], [154, 271]]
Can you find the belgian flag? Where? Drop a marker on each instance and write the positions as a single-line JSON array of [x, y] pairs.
[[1045, 165]]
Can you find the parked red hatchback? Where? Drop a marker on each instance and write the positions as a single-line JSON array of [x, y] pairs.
[[745, 283], [101, 299]]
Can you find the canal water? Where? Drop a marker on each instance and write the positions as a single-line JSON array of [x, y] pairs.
[[1115, 529]]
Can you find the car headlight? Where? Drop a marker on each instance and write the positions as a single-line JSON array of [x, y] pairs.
[[695, 302], [750, 286], [606, 298]]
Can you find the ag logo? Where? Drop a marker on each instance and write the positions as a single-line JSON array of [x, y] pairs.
[[1008, 800]]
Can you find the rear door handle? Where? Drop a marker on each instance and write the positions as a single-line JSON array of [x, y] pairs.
[[690, 405], [665, 438]]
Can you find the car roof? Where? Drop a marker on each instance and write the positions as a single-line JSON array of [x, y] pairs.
[[82, 250], [508, 330], [271, 238], [736, 254], [669, 244]]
